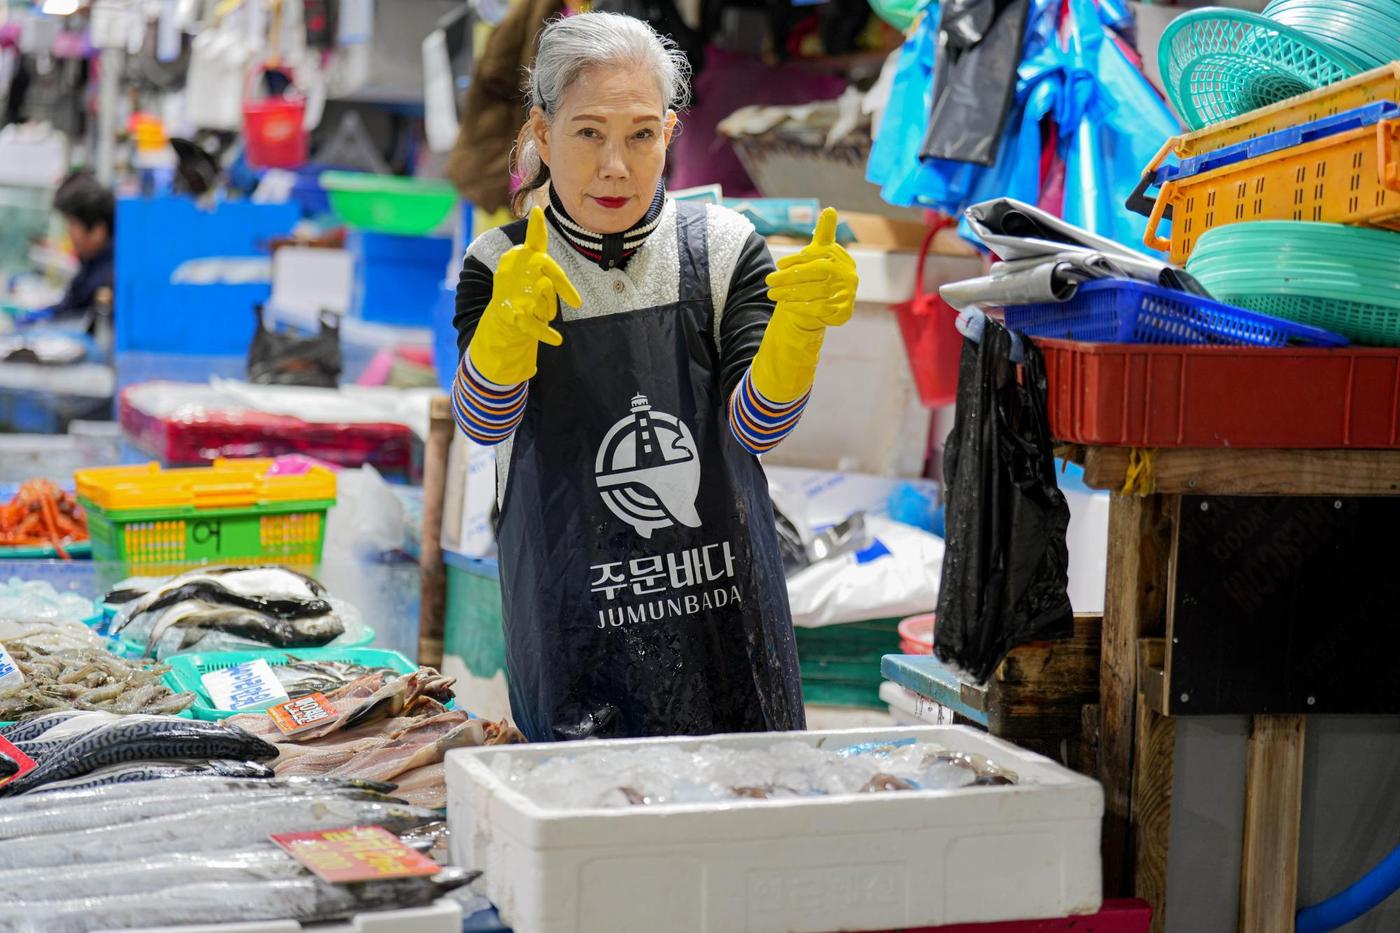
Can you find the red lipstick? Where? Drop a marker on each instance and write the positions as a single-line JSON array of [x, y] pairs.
[[612, 204]]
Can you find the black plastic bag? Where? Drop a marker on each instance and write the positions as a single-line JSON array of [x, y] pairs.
[[974, 78], [288, 359], [1005, 570]]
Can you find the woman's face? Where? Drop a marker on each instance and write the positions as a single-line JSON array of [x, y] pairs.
[[606, 147]]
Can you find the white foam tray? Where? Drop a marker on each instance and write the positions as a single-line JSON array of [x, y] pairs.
[[443, 917], [868, 862]]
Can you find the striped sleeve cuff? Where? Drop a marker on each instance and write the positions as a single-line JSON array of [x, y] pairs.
[[758, 424], [486, 412]]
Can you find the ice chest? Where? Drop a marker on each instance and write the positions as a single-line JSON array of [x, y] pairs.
[[863, 862]]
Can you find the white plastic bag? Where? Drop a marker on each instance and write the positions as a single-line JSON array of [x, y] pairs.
[[901, 581]]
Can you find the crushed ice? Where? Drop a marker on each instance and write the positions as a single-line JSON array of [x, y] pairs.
[[661, 775]]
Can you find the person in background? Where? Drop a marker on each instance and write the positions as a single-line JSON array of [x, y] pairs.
[[90, 211]]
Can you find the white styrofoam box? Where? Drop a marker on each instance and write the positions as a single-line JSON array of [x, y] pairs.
[[472, 499], [312, 280], [911, 708], [32, 156], [1087, 540], [445, 916], [864, 413], [862, 862], [831, 496]]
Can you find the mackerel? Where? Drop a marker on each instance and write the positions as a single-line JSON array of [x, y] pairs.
[[146, 738], [52, 796]]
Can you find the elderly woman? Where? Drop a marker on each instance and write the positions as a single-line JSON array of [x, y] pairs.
[[642, 584]]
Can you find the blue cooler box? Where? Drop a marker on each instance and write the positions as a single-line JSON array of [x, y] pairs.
[[398, 279]]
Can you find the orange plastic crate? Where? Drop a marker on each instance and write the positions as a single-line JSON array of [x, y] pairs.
[[1147, 395]]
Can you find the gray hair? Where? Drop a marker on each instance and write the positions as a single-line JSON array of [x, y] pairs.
[[569, 47]]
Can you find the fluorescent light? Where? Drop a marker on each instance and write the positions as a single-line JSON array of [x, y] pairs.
[[60, 7]]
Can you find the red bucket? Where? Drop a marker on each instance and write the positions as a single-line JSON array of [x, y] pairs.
[[274, 130], [916, 634]]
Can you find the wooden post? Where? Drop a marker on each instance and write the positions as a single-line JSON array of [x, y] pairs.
[[432, 604], [1273, 807], [1138, 551], [1152, 809]]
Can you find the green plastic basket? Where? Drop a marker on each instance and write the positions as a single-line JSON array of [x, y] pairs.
[[187, 670], [1220, 63], [290, 532], [389, 203]]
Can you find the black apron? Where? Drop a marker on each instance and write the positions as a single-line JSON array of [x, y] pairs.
[[642, 585]]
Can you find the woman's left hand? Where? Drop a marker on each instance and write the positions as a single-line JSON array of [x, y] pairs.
[[811, 291], [817, 286]]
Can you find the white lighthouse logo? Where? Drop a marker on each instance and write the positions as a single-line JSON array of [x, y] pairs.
[[648, 471]]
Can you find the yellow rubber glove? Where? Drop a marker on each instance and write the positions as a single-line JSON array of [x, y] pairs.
[[507, 341], [811, 291]]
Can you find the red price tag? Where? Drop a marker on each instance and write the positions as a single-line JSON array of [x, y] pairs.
[[356, 853], [302, 713], [26, 764]]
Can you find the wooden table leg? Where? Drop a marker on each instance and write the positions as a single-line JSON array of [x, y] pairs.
[[1134, 607], [1152, 809], [432, 602], [1273, 808]]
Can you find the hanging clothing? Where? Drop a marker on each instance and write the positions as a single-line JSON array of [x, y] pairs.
[[479, 164], [642, 584]]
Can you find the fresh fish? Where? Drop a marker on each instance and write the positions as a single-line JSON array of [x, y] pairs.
[[162, 771], [35, 726], [306, 899], [210, 829], [65, 725], [196, 618], [301, 677], [273, 591], [8, 766], [68, 816], [264, 862], [184, 785], [139, 739], [428, 837], [423, 744]]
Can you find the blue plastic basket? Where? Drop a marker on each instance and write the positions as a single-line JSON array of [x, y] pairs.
[[1128, 311]]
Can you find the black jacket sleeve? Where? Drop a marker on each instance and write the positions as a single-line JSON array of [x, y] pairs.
[[473, 294], [746, 312]]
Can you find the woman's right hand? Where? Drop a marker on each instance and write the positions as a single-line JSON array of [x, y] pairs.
[[516, 321]]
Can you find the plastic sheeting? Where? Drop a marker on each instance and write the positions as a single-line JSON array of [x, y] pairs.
[[1075, 88]]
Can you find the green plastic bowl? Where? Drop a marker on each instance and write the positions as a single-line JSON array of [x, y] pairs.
[[1220, 63], [389, 203]]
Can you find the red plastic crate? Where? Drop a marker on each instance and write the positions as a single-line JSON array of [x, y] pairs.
[[392, 449], [1141, 395], [1122, 916]]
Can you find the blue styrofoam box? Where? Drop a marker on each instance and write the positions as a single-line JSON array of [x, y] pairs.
[[398, 279], [187, 277]]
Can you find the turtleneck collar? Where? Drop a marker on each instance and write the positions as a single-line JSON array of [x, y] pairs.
[[608, 250]]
